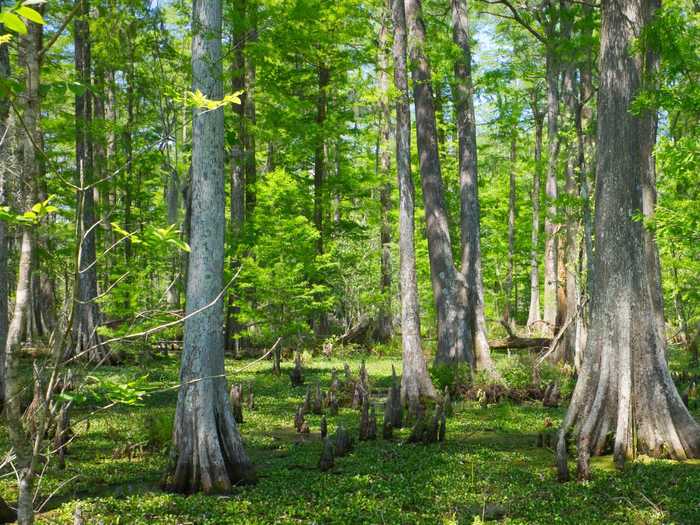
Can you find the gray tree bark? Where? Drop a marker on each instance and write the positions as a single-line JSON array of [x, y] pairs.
[[31, 170], [625, 388], [251, 174], [550, 226], [88, 343], [238, 166], [6, 154], [534, 316], [415, 381], [384, 321], [508, 310], [208, 453], [470, 212], [454, 331]]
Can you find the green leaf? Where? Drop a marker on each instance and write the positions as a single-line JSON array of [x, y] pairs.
[[13, 22], [30, 14]]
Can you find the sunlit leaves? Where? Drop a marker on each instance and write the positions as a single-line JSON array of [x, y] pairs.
[[30, 14], [13, 22], [197, 99]]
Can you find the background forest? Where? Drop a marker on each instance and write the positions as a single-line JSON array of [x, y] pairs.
[[101, 190]]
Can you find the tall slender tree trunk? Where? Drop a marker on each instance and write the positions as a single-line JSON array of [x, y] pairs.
[[88, 343], [454, 337], [534, 316], [415, 381], [251, 175], [625, 387], [384, 322], [551, 253], [7, 155], [208, 452], [570, 342], [238, 167], [320, 160], [508, 310], [31, 169], [470, 212]]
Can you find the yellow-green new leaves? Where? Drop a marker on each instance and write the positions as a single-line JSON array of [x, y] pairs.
[[4, 39], [197, 99], [30, 14], [12, 21], [33, 216], [155, 238]]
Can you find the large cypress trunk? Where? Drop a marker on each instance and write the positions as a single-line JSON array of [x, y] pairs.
[[454, 332], [415, 381], [625, 387], [470, 213], [208, 452]]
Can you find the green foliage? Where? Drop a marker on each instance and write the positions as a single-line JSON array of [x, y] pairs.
[[451, 376], [159, 429], [488, 460]]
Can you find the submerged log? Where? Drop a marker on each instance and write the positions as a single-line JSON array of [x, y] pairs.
[[520, 342]]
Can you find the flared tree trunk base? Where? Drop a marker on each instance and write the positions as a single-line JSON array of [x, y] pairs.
[[208, 454], [630, 406]]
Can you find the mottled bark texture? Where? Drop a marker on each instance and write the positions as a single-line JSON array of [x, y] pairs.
[[550, 226], [384, 321], [21, 441], [534, 316], [207, 453], [509, 306], [454, 332], [470, 212], [415, 381], [7, 156], [625, 388], [88, 343]]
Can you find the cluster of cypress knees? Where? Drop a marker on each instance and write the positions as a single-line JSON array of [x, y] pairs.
[[355, 391]]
